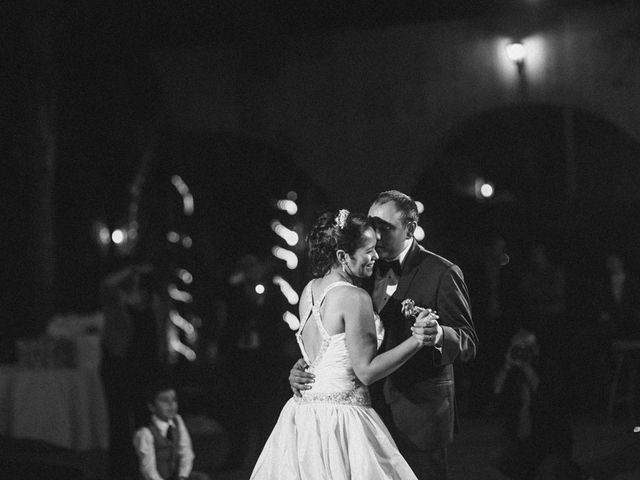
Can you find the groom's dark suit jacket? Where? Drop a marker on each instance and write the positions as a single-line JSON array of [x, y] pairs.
[[420, 394]]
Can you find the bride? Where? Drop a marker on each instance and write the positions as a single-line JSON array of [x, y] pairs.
[[331, 431]]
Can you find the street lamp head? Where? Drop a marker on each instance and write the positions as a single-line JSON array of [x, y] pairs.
[[516, 52]]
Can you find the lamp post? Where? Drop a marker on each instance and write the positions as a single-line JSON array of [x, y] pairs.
[[517, 53]]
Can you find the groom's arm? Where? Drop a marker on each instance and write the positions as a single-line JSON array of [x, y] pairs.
[[299, 378], [459, 335]]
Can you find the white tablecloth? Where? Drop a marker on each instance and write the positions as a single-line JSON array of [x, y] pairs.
[[65, 407]]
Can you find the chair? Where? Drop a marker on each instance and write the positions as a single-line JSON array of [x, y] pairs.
[[626, 356]]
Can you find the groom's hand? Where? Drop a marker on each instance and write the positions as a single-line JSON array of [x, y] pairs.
[[427, 325], [299, 378]]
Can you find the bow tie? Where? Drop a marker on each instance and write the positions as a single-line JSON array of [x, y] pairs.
[[384, 266]]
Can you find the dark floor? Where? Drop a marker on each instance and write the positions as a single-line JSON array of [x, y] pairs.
[[608, 450]]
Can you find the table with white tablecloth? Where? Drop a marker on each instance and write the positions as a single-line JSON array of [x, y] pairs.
[[62, 406]]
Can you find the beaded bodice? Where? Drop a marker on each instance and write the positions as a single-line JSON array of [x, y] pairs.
[[335, 380]]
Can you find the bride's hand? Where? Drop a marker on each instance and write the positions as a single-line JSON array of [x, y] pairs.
[[426, 328]]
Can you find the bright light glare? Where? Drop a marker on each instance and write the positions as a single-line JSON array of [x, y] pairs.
[[516, 52], [179, 295], [187, 241], [291, 320], [259, 289], [173, 237], [486, 190], [118, 236], [287, 290], [419, 233], [287, 255], [420, 206], [288, 235], [292, 195], [288, 206]]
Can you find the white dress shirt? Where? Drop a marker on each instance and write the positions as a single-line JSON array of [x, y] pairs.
[[385, 286], [143, 442]]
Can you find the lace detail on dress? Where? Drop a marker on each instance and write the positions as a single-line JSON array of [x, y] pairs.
[[358, 396]]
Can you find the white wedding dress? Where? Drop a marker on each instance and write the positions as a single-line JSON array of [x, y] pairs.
[[331, 432]]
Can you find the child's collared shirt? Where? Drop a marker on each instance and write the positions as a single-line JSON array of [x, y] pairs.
[[143, 442]]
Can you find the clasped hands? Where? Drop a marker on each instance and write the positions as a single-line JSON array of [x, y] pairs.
[[426, 329]]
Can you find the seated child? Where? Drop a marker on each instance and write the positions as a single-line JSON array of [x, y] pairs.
[[164, 446]]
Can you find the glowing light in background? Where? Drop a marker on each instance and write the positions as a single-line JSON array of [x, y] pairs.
[[486, 190], [288, 206], [173, 237], [259, 289], [183, 190], [287, 290], [483, 189], [102, 233], [288, 256], [179, 347], [419, 233], [291, 320], [420, 206], [184, 325], [292, 195], [179, 295], [286, 234], [187, 241], [118, 236], [185, 276], [516, 52], [536, 49]]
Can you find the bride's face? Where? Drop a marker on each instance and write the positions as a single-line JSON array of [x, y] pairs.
[[364, 258]]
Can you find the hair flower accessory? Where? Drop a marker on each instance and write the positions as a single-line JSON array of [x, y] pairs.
[[341, 218], [409, 308]]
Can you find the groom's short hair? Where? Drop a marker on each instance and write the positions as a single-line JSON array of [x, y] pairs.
[[403, 201]]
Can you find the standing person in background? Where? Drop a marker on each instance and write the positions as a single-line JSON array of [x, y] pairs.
[[619, 300], [542, 290], [417, 401], [495, 307], [134, 345]]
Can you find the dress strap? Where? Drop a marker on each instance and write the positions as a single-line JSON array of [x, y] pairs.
[[307, 314], [316, 306], [331, 286]]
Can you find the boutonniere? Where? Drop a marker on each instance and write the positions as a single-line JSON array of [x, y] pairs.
[[410, 309]]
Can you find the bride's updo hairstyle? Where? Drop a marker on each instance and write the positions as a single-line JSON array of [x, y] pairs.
[[331, 232]]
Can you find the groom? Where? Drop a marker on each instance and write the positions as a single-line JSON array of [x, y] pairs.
[[417, 401]]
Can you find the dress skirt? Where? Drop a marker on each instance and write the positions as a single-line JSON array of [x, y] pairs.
[[330, 440]]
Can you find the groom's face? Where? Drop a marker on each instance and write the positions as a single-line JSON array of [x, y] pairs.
[[392, 232]]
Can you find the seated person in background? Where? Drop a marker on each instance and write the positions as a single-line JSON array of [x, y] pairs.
[[537, 438], [164, 446]]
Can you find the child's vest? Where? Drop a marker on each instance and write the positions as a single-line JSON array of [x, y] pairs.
[[166, 451]]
